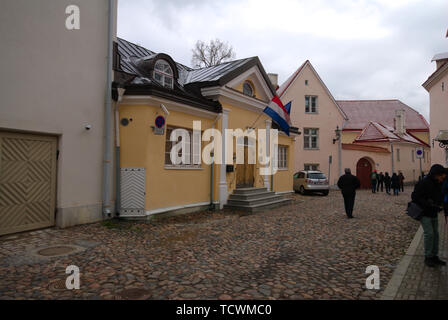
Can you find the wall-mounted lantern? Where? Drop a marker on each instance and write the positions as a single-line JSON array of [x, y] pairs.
[[338, 134], [442, 138]]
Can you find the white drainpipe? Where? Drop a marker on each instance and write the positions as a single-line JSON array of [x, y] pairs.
[[107, 172]]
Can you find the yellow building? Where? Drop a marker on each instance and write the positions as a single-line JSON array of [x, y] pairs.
[[155, 95]]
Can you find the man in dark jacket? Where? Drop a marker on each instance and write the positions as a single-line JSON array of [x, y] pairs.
[[401, 180], [428, 195], [445, 197], [380, 182], [387, 182], [348, 184]]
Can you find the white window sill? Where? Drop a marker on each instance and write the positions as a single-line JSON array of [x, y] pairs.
[[282, 169], [311, 149]]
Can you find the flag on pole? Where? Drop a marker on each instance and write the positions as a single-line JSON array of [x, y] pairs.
[[288, 107], [279, 114]]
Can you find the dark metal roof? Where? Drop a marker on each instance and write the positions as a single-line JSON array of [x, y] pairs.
[[214, 73], [188, 79], [130, 53]]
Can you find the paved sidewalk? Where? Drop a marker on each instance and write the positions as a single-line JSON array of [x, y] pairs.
[[412, 280]]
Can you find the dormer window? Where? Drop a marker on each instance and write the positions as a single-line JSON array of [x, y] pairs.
[[248, 90], [163, 74]]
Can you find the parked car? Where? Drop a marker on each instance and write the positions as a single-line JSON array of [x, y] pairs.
[[311, 181]]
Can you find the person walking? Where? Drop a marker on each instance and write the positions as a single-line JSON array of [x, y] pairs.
[[445, 196], [373, 179], [380, 182], [428, 195], [395, 184], [401, 180], [348, 184], [387, 182]]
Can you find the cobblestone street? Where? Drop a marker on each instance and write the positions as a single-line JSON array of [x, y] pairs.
[[306, 250]]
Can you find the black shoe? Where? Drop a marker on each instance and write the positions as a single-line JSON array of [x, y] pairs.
[[430, 262], [439, 262], [350, 217]]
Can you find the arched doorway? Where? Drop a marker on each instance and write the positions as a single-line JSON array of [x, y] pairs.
[[363, 171]]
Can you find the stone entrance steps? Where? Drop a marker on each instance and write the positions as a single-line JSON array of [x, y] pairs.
[[255, 199]]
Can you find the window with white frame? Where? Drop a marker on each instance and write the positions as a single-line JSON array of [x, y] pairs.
[[311, 167], [310, 138], [310, 104], [282, 157], [248, 89], [163, 73], [192, 159]]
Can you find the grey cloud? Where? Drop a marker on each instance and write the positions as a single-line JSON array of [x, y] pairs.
[[394, 66]]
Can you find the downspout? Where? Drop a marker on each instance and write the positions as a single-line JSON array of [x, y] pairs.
[[107, 173], [213, 164], [392, 153], [117, 151]]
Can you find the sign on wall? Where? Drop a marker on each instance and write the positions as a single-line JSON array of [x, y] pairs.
[[419, 152], [159, 128]]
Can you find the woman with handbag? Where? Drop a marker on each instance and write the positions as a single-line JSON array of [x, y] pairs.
[[428, 195]]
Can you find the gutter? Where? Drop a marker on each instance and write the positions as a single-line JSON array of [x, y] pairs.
[[107, 173], [213, 164], [121, 92]]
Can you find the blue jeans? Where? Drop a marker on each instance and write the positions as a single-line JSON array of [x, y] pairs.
[[373, 186], [430, 236], [396, 191]]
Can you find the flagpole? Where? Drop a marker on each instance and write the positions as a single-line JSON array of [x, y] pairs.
[[256, 120]]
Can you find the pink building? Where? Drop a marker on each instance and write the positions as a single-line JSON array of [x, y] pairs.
[[315, 111], [437, 87], [384, 135]]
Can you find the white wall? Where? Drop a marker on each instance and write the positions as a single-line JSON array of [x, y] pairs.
[[54, 81], [438, 118]]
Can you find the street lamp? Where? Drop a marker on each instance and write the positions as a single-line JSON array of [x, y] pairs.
[[338, 134], [442, 138]]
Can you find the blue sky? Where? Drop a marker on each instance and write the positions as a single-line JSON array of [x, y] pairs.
[[378, 49]]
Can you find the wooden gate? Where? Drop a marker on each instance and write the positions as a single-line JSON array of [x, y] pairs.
[[27, 182], [363, 171]]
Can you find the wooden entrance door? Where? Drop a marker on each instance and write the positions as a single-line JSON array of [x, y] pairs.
[[245, 172], [27, 181], [363, 171]]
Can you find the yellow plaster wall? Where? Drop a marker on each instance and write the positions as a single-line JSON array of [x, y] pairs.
[[424, 136], [349, 136], [140, 147], [242, 118]]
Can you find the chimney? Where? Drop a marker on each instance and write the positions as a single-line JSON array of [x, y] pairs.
[[274, 79], [440, 59], [400, 122]]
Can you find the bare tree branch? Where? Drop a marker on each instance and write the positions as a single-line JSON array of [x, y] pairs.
[[211, 54]]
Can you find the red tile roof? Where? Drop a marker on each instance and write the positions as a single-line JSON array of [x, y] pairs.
[[360, 147], [361, 112], [377, 132]]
